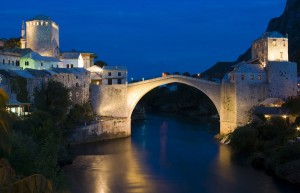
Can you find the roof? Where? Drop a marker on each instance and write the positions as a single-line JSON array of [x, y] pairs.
[[114, 68], [271, 102], [38, 73], [248, 68], [69, 70], [24, 73], [40, 17], [37, 56], [273, 34], [271, 111], [70, 55], [94, 68]]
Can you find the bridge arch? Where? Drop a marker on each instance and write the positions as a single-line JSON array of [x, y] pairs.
[[137, 90]]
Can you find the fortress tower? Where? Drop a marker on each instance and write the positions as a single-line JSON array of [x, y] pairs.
[[42, 36], [272, 46]]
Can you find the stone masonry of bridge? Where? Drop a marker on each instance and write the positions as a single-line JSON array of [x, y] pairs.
[[119, 101]]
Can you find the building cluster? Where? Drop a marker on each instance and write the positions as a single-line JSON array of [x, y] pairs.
[[268, 75], [39, 60]]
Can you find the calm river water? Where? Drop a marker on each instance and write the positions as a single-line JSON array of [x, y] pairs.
[[166, 155]]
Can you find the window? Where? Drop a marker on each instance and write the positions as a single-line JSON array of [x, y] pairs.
[[252, 77], [68, 66], [13, 62], [42, 64], [77, 84], [17, 63], [3, 61], [26, 63], [71, 65], [109, 74], [119, 81], [119, 73], [8, 62], [259, 77], [76, 77], [281, 54], [109, 81], [232, 77], [284, 43], [242, 77], [274, 43]]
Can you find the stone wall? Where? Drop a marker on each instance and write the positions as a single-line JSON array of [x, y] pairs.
[[282, 78], [109, 100], [104, 129]]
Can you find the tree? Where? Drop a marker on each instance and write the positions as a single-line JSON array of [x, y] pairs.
[[4, 123], [53, 98], [12, 43], [100, 63], [186, 74]]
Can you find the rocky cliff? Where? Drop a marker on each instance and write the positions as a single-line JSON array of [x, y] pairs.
[[287, 23]]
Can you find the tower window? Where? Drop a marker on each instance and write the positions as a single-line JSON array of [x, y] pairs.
[[242, 77], [274, 43], [281, 54]]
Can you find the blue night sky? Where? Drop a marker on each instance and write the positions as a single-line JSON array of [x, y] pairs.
[[150, 37]]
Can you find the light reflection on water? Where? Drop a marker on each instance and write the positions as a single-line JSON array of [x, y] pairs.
[[165, 155]]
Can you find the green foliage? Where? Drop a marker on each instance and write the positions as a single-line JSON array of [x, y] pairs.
[[100, 63], [244, 139], [4, 123], [23, 154], [79, 115], [54, 98], [293, 105], [12, 43], [19, 86]]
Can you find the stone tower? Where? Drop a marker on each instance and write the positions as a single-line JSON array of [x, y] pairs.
[[42, 36], [272, 52], [23, 40], [272, 46]]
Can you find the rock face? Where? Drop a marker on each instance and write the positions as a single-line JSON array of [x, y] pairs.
[[287, 23]]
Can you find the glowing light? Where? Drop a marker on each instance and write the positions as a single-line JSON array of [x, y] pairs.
[[298, 128], [284, 116], [267, 116]]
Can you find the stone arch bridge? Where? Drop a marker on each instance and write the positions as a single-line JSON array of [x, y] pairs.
[[114, 103]]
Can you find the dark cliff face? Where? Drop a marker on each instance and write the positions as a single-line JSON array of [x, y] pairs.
[[287, 23]]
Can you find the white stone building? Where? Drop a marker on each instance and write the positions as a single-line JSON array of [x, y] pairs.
[[114, 75], [77, 80], [34, 60], [75, 59], [268, 74], [96, 75], [9, 60]]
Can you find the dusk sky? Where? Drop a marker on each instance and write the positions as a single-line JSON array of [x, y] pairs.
[[150, 37]]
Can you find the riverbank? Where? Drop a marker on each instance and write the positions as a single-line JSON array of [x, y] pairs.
[[272, 146]]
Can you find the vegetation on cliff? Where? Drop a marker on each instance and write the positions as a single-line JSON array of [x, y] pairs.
[[37, 144], [287, 23], [272, 145]]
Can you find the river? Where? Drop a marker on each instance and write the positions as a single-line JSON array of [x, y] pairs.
[[166, 154]]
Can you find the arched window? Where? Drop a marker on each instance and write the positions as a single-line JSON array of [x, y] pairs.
[[77, 84]]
